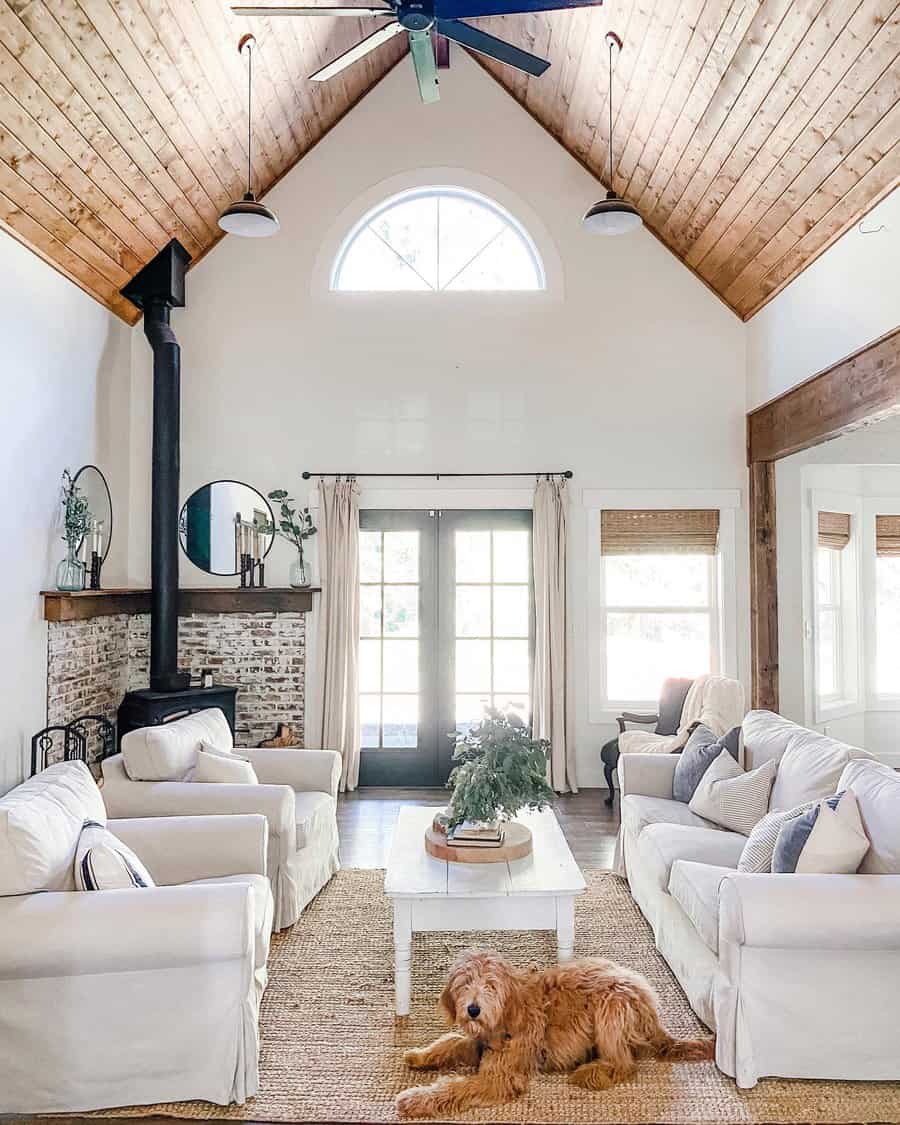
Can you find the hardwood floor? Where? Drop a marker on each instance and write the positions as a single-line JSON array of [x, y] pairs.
[[366, 820]]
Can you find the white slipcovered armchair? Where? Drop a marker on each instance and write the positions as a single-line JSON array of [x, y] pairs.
[[112, 998], [297, 795]]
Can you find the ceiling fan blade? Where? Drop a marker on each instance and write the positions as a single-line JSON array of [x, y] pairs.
[[467, 9], [422, 51], [382, 35], [477, 40], [256, 10]]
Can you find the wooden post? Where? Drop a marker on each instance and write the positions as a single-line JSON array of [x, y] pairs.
[[763, 586]]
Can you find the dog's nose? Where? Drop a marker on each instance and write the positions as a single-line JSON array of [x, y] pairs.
[[474, 1011]]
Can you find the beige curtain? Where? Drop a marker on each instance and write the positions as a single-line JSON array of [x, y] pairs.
[[550, 692], [338, 636]]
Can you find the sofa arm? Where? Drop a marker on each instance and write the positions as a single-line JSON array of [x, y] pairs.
[[306, 771], [127, 799], [179, 849], [649, 775], [70, 933], [810, 911]]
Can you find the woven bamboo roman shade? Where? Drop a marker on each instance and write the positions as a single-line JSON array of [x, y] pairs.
[[671, 531], [834, 530], [887, 537]]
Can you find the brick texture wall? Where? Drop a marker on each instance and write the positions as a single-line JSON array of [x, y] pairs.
[[91, 664]]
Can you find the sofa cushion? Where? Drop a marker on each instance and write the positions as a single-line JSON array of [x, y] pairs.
[[728, 796], [167, 751], [701, 750], [227, 768], [638, 811], [810, 768], [40, 822], [660, 845], [827, 839], [877, 791], [756, 858], [766, 736], [314, 810], [104, 863], [695, 887]]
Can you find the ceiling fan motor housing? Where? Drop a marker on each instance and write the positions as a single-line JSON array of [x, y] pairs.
[[416, 16]]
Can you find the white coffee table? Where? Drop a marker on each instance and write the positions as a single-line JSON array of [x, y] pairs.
[[429, 895]]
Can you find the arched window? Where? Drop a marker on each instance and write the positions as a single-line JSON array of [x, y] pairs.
[[438, 239]]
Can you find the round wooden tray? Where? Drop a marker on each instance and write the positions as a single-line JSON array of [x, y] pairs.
[[516, 845]]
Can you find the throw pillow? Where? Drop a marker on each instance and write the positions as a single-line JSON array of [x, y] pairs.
[[224, 768], [701, 750], [104, 863], [827, 839], [760, 847], [731, 798]]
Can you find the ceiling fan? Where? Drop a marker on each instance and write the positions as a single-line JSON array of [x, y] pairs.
[[417, 18]]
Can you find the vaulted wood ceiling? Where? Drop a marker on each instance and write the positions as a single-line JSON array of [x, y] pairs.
[[749, 133]]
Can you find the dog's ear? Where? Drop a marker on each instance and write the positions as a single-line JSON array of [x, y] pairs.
[[445, 1004]]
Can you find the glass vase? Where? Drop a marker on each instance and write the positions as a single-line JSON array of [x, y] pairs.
[[298, 575], [70, 572]]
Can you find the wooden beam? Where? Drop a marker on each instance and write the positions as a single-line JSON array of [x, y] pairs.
[[85, 604], [763, 587], [860, 390]]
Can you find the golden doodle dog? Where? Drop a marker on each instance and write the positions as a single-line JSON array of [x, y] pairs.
[[591, 1017]]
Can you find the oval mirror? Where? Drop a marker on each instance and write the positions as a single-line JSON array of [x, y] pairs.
[[93, 487], [223, 521]]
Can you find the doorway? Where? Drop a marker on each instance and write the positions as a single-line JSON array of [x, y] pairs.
[[446, 630]]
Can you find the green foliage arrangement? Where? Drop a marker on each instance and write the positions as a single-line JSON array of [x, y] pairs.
[[500, 770], [76, 513], [295, 528]]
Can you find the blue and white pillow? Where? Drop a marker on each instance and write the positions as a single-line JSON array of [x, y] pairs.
[[827, 839], [104, 863], [699, 753]]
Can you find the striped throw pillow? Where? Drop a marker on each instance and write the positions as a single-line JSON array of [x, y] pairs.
[[731, 798], [760, 847], [104, 863]]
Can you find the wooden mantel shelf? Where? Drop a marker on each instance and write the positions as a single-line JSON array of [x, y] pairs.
[[82, 606]]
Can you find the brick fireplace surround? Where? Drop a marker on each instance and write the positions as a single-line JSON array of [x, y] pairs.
[[92, 663]]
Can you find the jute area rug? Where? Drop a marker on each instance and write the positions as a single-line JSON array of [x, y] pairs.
[[331, 1047]]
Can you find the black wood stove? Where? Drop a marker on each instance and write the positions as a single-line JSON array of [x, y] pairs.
[[156, 290]]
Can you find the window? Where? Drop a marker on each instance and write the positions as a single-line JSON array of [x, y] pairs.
[[660, 599], [829, 625], [887, 606], [835, 621], [438, 239]]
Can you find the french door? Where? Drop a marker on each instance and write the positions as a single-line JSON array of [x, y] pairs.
[[446, 630]]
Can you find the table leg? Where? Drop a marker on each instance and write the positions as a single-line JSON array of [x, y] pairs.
[[402, 955], [565, 929]]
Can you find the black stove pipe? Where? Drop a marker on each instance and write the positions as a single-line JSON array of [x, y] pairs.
[[158, 288]]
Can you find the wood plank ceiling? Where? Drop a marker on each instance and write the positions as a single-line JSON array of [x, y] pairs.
[[749, 133]]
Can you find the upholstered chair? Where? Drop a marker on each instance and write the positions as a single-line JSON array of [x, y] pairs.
[[125, 997], [297, 794]]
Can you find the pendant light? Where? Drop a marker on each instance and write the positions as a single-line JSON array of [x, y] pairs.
[[612, 215], [247, 217]]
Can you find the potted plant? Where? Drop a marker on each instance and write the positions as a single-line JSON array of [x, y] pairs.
[[500, 770], [296, 527], [76, 524]]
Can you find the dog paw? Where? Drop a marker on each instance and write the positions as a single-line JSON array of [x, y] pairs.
[[415, 1103], [415, 1059]]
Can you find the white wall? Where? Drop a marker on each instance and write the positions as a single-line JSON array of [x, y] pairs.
[[861, 465], [845, 300], [65, 383], [627, 371]]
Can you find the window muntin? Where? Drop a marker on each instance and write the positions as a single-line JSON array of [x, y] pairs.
[[661, 620], [438, 239]]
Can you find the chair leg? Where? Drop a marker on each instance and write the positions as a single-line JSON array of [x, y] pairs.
[[609, 769]]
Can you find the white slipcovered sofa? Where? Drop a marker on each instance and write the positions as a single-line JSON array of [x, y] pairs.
[[297, 795], [798, 975], [122, 997]]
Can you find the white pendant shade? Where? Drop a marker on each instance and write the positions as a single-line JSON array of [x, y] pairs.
[[249, 219], [612, 216]]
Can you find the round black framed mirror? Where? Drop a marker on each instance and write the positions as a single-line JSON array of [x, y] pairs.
[[224, 522], [93, 487]]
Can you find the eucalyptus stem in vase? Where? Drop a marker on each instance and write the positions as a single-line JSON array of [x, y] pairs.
[[76, 524], [296, 527]]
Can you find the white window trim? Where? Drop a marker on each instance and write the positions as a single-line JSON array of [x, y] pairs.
[[727, 501], [849, 700], [872, 506]]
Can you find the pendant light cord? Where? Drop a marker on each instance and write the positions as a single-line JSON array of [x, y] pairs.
[[609, 106], [249, 117]]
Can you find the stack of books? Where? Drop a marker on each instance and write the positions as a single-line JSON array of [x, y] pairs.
[[476, 834]]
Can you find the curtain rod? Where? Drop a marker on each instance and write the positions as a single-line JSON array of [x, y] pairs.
[[567, 473]]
